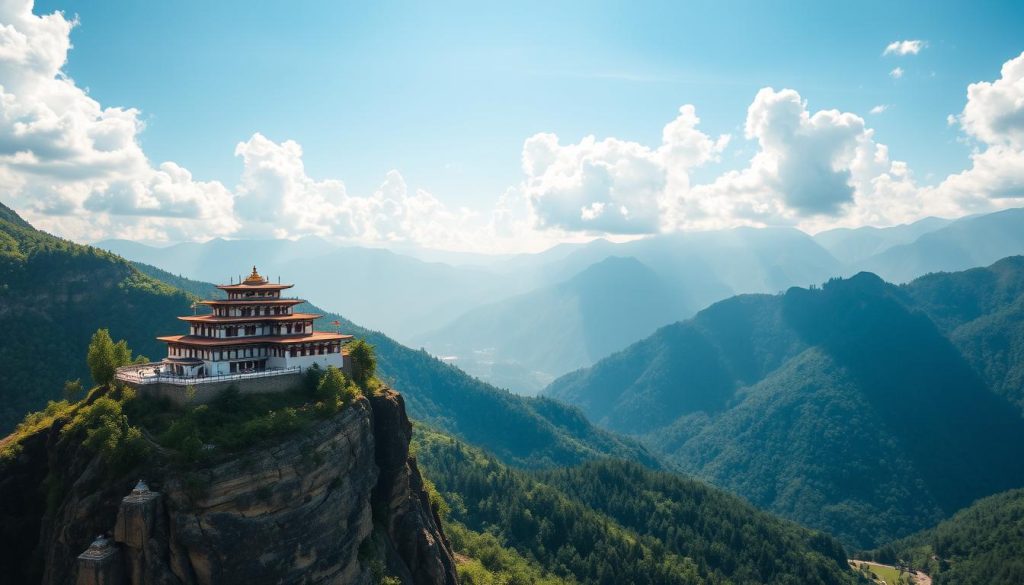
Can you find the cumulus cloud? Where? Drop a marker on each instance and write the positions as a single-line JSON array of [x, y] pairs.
[[276, 198], [76, 167], [62, 152], [807, 164], [896, 73], [904, 47], [994, 113], [612, 185], [993, 117]]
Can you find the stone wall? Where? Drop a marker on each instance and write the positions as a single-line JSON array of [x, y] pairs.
[[210, 390]]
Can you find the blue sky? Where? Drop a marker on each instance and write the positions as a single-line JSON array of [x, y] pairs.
[[447, 93]]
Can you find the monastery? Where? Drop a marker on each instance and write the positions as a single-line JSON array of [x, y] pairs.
[[253, 334]]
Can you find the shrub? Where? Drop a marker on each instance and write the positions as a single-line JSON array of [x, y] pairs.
[[364, 362]]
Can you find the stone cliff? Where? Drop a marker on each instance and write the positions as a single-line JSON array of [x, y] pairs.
[[340, 502]]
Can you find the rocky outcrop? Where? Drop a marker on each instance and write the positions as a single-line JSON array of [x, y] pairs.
[[340, 502]]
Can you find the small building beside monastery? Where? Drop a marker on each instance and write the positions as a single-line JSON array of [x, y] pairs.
[[253, 334]]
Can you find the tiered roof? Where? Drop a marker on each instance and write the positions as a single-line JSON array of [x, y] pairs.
[[253, 282], [283, 339]]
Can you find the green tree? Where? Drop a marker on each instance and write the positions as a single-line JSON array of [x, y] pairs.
[[364, 362], [105, 356], [101, 357], [122, 354]]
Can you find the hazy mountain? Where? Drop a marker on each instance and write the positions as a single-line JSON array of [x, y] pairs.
[[517, 322], [609, 295], [559, 328], [845, 407], [709, 266], [855, 244], [965, 243], [386, 291]]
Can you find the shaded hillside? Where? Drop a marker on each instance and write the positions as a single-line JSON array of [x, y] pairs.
[[560, 328], [54, 295], [616, 522], [523, 431], [980, 545], [844, 407], [982, 312]]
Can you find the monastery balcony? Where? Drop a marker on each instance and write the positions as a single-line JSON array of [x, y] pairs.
[[153, 373]]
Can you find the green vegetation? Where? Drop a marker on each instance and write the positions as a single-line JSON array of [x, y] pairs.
[[980, 545], [55, 295], [105, 356], [615, 522], [482, 560], [113, 419], [364, 361], [886, 574], [530, 432], [847, 407]]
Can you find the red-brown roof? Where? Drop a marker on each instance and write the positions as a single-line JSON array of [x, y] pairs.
[[274, 339], [244, 287], [251, 319], [251, 301]]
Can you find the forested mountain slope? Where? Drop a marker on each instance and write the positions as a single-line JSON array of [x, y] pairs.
[[980, 545], [847, 407], [617, 522], [524, 431], [54, 294]]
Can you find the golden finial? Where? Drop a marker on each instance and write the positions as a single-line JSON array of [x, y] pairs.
[[255, 277]]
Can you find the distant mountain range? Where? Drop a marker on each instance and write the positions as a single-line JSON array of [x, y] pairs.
[[519, 321], [863, 408], [57, 293]]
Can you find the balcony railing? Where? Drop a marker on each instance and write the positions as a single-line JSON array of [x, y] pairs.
[[152, 373]]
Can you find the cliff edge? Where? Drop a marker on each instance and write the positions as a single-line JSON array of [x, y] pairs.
[[340, 501]]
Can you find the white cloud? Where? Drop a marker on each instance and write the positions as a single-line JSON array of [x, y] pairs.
[[276, 197], [994, 113], [807, 165], [612, 185], [896, 73], [76, 167], [994, 117], [64, 154], [904, 47]]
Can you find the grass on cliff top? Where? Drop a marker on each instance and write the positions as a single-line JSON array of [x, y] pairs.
[[235, 421], [123, 426]]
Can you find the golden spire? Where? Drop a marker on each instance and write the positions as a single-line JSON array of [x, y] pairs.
[[255, 278]]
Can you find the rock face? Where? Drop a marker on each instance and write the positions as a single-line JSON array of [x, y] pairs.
[[340, 502]]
